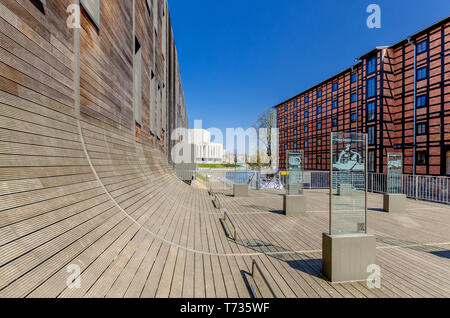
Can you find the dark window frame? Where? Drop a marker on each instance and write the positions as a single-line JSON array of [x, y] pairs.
[[319, 110], [422, 132], [371, 115], [420, 162], [335, 86], [335, 104], [372, 65], [422, 46], [371, 138], [369, 92], [372, 160], [420, 98], [420, 71]]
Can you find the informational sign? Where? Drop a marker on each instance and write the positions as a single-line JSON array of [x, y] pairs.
[[394, 173], [295, 170], [348, 191]]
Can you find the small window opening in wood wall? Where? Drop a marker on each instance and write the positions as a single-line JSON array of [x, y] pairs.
[[39, 4], [137, 81], [92, 8]]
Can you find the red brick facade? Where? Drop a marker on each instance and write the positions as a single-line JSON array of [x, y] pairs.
[[379, 101]]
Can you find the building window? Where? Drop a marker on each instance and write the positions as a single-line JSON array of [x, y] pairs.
[[285, 147], [319, 110], [319, 142], [371, 65], [371, 87], [319, 93], [295, 104], [371, 135], [306, 129], [306, 144], [422, 73], [371, 162], [92, 7], [371, 111], [306, 114], [335, 86], [422, 101], [422, 129], [422, 46], [354, 98], [295, 118], [295, 145], [319, 160], [286, 121], [421, 158], [319, 126], [295, 132], [334, 104], [137, 81], [285, 134], [39, 4], [286, 108], [354, 78], [353, 117], [334, 122], [306, 99]]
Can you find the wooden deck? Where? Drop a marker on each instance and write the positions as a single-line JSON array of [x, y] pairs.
[[165, 239]]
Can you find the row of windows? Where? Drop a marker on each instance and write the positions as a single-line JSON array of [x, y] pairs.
[[371, 111], [421, 159], [319, 93], [371, 91], [422, 101], [422, 73]]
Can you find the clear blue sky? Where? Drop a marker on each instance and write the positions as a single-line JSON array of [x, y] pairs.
[[240, 57]]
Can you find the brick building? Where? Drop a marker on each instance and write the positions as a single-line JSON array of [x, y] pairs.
[[395, 94]]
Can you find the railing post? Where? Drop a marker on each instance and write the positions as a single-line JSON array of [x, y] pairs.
[[416, 194]]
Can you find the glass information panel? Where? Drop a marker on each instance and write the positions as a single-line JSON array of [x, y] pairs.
[[295, 177], [395, 173], [348, 191]]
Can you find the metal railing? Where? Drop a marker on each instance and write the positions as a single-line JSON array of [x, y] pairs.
[[419, 187], [265, 277], [425, 188], [227, 216]]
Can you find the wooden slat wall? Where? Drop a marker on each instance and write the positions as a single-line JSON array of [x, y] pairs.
[[56, 206]]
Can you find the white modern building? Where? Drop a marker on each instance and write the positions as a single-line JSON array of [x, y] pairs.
[[205, 150]]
